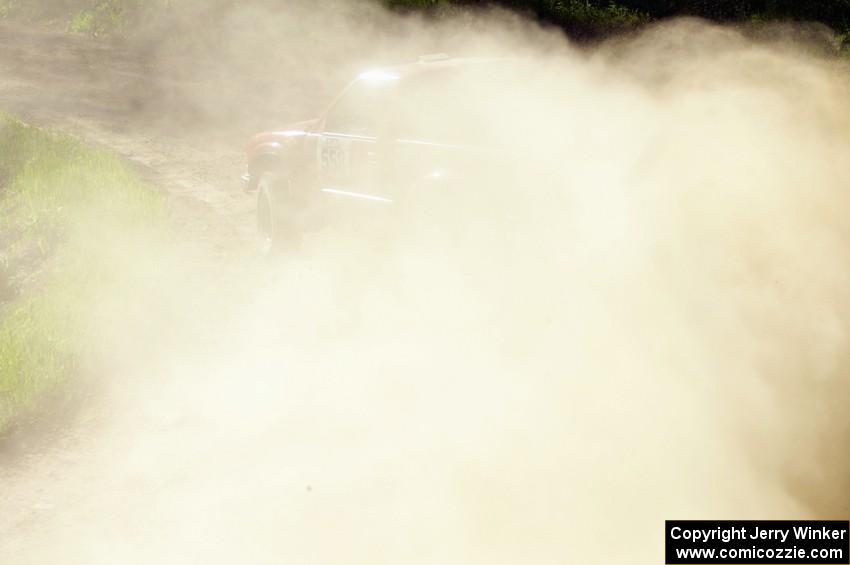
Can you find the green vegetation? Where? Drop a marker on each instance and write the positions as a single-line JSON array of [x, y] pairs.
[[58, 199], [586, 19], [94, 17], [100, 18], [583, 19], [579, 18]]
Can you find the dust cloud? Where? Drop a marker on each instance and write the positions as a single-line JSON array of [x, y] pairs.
[[644, 318]]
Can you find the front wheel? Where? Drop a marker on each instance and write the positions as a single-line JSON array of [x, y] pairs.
[[273, 233]]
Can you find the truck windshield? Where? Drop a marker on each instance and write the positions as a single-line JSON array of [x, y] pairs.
[[361, 110], [458, 106]]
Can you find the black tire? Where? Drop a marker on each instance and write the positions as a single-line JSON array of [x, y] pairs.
[[274, 235]]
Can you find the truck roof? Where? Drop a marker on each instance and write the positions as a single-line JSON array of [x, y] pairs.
[[425, 64]]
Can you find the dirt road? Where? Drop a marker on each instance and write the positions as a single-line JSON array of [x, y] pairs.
[[109, 95]]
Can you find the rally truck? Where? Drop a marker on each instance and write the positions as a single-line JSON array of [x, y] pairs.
[[393, 135]]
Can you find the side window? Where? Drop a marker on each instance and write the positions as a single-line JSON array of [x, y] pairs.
[[360, 110]]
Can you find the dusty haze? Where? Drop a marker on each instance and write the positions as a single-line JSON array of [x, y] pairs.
[[648, 321]]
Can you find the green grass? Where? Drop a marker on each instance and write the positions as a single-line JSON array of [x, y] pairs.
[[59, 200], [100, 19]]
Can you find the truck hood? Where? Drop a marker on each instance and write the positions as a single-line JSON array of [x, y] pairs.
[[279, 136]]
